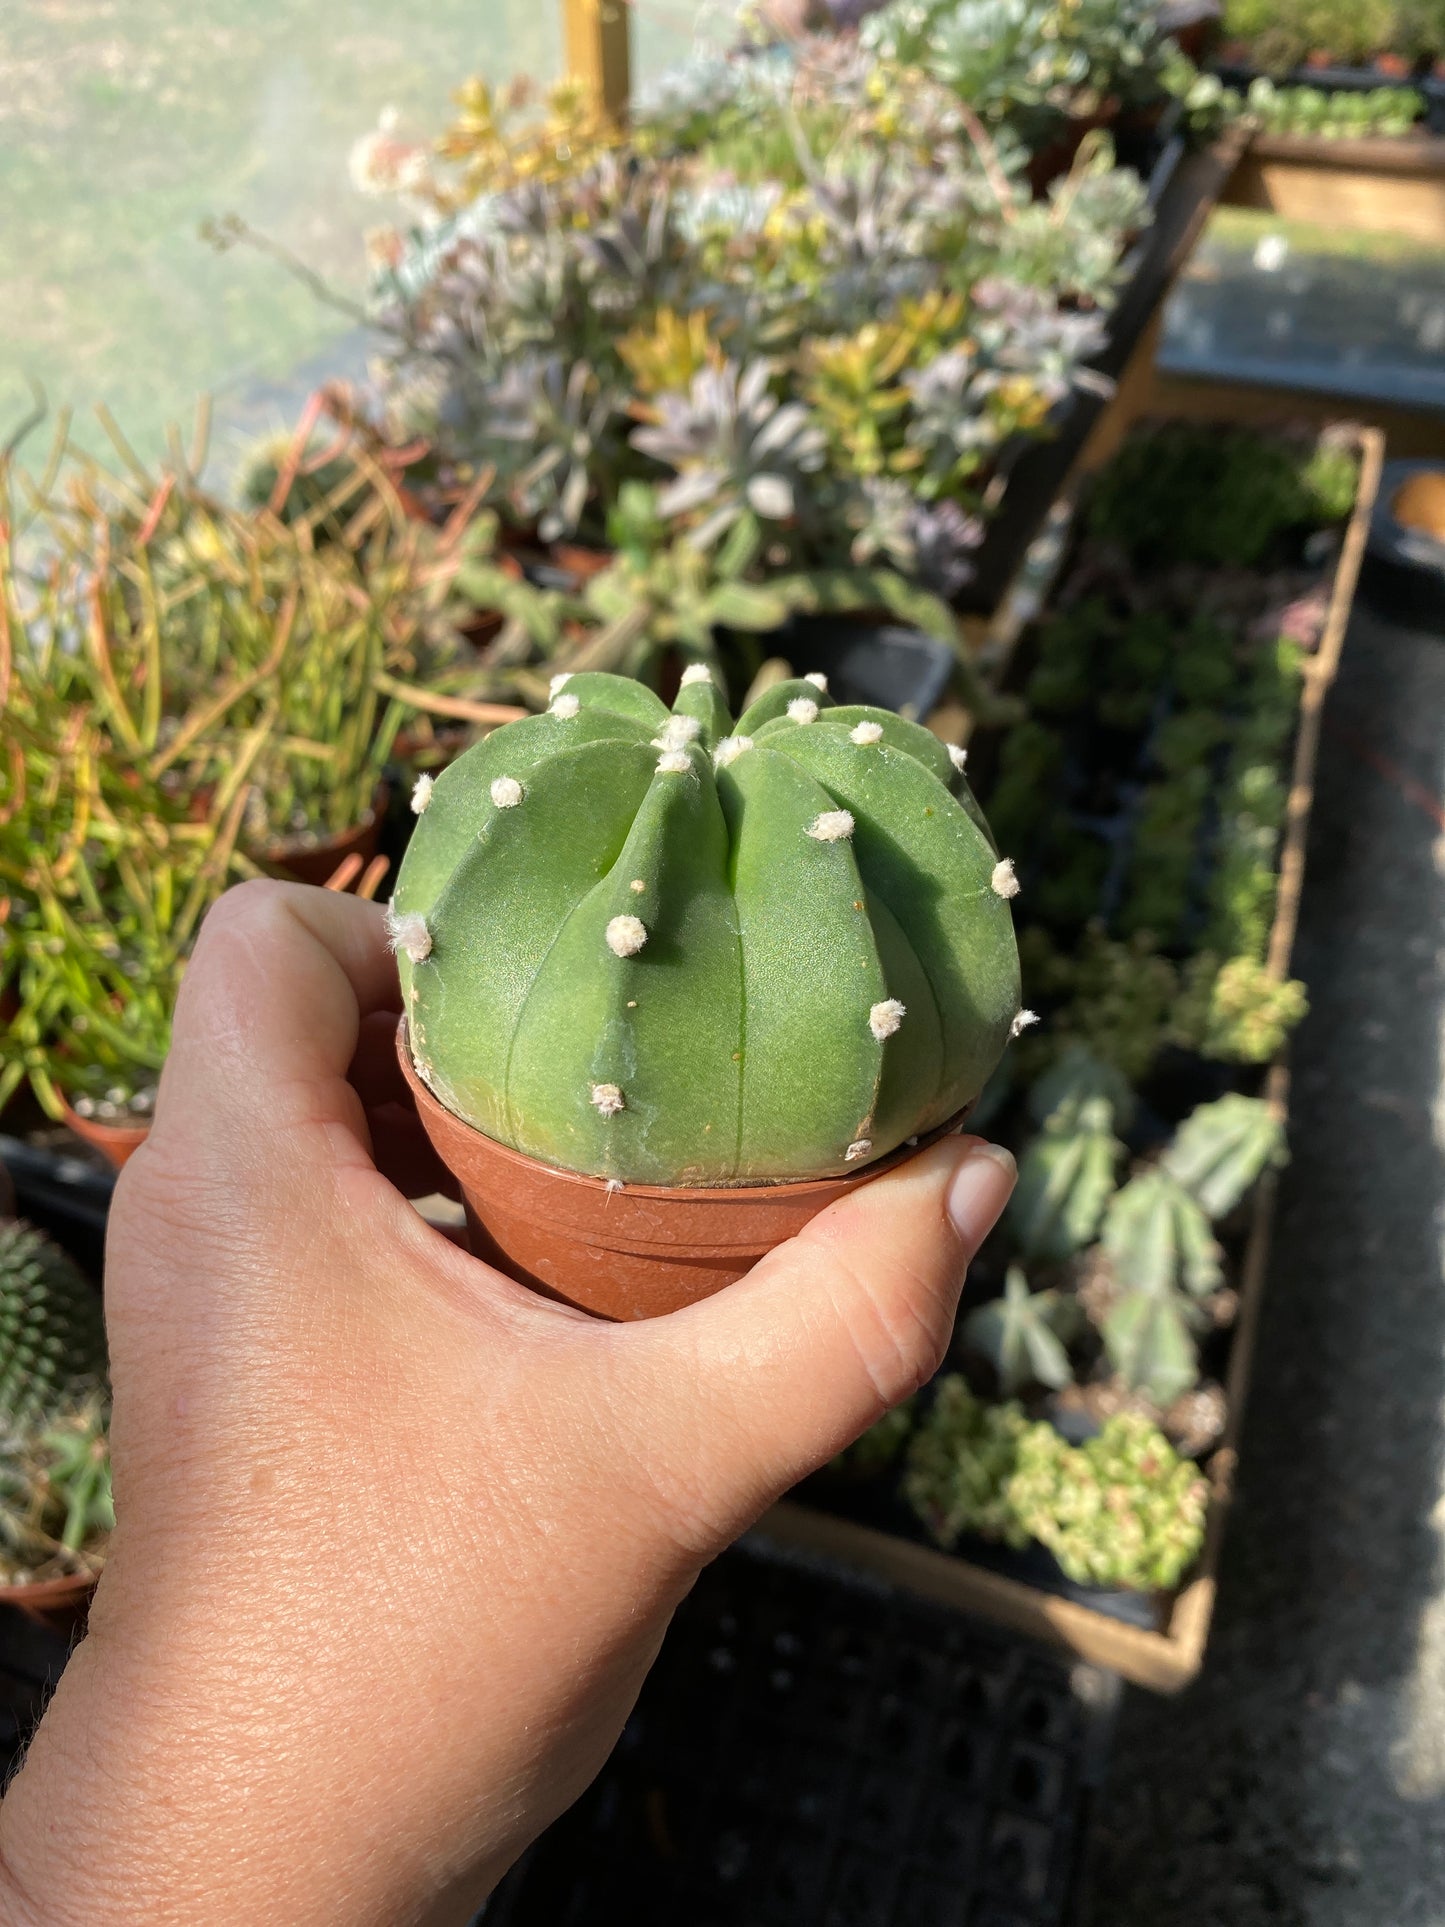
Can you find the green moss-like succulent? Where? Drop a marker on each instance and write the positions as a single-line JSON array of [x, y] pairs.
[[1236, 1011], [959, 1465], [670, 949], [1121, 1510]]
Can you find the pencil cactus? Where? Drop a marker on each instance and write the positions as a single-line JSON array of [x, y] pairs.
[[670, 949]]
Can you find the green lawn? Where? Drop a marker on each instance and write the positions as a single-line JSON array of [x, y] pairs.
[[125, 124]]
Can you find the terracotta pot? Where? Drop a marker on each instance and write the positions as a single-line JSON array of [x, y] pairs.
[[116, 1142], [582, 562], [60, 1604], [307, 862], [1319, 59], [634, 1252]]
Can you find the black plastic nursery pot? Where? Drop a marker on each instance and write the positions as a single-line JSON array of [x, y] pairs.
[[813, 1751], [1155, 1640], [1239, 76]]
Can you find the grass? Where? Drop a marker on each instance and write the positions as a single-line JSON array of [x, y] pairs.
[[126, 124]]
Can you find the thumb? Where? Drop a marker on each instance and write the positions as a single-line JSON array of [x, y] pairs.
[[754, 1388]]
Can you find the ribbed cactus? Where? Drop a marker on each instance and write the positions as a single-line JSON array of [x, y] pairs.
[[52, 1336], [669, 949]]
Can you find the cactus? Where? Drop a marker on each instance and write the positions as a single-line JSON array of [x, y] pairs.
[[1162, 1253], [667, 949], [1066, 1175], [1222, 1149], [55, 1494], [1024, 1333], [52, 1336]]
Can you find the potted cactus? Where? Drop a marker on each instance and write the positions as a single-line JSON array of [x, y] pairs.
[[673, 982], [55, 1503]]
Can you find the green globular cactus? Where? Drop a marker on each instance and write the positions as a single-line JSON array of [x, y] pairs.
[[52, 1334], [663, 948]]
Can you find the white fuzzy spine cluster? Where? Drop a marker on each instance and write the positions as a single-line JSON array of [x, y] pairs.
[[832, 826], [506, 792], [958, 756], [1022, 1022], [559, 683], [565, 706], [818, 680], [408, 935], [421, 794], [626, 936], [859, 1148], [884, 1019], [866, 734], [674, 762], [730, 749], [608, 1099], [802, 709], [696, 672], [678, 732], [1003, 882]]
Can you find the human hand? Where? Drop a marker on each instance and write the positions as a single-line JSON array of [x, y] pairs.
[[398, 1539]]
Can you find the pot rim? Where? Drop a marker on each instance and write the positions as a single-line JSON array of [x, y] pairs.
[[788, 1188]]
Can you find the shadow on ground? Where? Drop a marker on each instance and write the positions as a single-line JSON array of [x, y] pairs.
[[1302, 1780]]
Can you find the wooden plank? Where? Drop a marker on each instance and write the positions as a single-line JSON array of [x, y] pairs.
[[1407, 431], [598, 44], [1167, 1658], [1378, 186]]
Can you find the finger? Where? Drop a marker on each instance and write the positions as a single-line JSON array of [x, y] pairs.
[[753, 1389], [269, 1014]]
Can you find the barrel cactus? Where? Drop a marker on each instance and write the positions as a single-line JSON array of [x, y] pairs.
[[52, 1336], [666, 948]]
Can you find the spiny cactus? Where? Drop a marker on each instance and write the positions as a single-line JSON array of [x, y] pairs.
[[1024, 1334], [55, 1494], [52, 1335], [668, 949]]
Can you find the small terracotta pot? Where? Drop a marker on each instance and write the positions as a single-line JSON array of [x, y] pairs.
[[315, 862], [1319, 58], [60, 1604], [634, 1252], [579, 561], [117, 1143], [1395, 65]]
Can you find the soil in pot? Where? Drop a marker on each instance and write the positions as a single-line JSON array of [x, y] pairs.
[[621, 1252]]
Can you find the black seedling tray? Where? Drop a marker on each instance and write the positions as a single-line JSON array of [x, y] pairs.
[[63, 1190], [815, 1751], [886, 664], [1404, 570]]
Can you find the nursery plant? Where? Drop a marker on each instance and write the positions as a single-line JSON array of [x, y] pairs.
[[718, 953], [819, 310], [55, 1503]]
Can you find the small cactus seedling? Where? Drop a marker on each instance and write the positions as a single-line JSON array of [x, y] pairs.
[[1066, 1178], [52, 1336], [1024, 1334], [55, 1494], [1222, 1149], [666, 948]]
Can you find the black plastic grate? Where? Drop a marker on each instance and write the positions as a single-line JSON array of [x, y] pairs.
[[811, 1753]]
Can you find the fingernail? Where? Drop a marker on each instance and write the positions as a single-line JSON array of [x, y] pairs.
[[979, 1190]]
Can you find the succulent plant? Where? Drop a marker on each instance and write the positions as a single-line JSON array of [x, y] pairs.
[[1158, 1240], [1024, 1335], [734, 447], [1066, 1177], [961, 1458], [714, 953], [880, 1447], [1121, 1510], [55, 1495], [557, 420], [52, 1335], [1236, 1010]]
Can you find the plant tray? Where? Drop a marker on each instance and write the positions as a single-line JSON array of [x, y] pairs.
[[1239, 76], [812, 1750], [1385, 184], [1155, 1641]]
